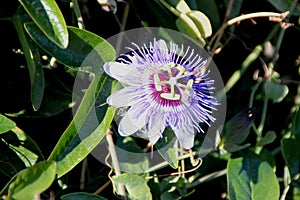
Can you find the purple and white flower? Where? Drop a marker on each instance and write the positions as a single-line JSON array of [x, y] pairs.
[[164, 86]]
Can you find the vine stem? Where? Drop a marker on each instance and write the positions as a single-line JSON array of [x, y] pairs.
[[208, 177], [78, 14], [278, 17], [115, 161]]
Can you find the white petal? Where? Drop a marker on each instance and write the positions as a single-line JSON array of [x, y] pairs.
[[123, 97], [185, 138], [123, 73], [130, 124]]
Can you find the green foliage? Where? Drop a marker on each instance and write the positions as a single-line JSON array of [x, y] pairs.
[[54, 93], [6, 124], [136, 186], [48, 17], [32, 181], [247, 178]]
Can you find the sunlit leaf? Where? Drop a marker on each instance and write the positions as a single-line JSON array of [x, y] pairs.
[[131, 157], [180, 5], [28, 150], [186, 25], [135, 185], [202, 23], [247, 177], [6, 124], [47, 15], [85, 49], [70, 149], [275, 91], [32, 55], [32, 181], [168, 147]]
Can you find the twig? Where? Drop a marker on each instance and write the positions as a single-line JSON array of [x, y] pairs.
[[278, 17], [122, 27], [272, 15], [99, 190], [220, 32]]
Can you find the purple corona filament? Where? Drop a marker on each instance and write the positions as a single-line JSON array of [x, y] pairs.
[[163, 87]]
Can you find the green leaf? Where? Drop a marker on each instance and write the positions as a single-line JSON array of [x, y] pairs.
[[48, 17], [267, 139], [237, 129], [180, 5], [70, 149], [27, 150], [186, 25], [81, 196], [168, 147], [10, 161], [6, 124], [202, 23], [131, 157], [291, 154], [295, 123], [136, 186], [275, 91], [85, 49], [210, 9], [285, 5], [32, 181], [77, 154], [87, 103], [32, 55], [250, 178]]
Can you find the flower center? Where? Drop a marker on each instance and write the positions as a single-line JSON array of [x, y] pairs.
[[173, 77]]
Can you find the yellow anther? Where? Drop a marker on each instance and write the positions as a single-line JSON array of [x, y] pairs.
[[157, 83], [190, 83], [169, 96]]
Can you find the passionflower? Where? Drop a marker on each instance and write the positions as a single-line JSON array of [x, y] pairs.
[[164, 86]]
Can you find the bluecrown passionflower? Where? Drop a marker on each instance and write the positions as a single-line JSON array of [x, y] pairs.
[[165, 86]]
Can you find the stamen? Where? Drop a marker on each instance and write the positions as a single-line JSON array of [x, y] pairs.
[[181, 70], [157, 83], [169, 96]]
